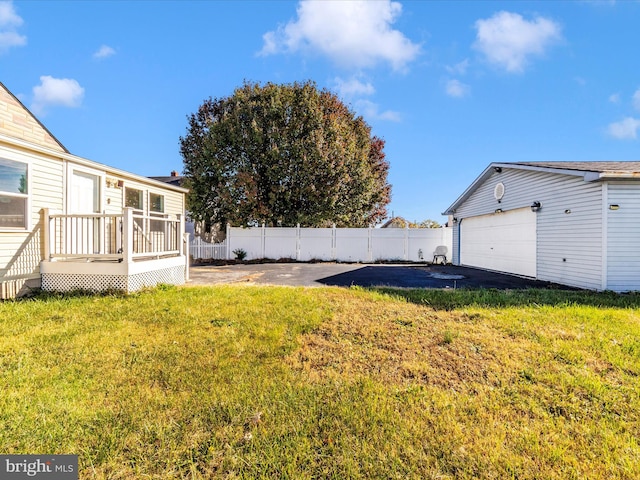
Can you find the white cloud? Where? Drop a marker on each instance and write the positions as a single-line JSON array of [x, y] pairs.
[[8, 15], [636, 99], [459, 68], [625, 129], [51, 92], [371, 111], [509, 41], [353, 87], [457, 89], [614, 98], [355, 34], [9, 21], [104, 51]]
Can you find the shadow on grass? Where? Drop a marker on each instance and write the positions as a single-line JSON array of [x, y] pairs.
[[452, 299], [42, 295]]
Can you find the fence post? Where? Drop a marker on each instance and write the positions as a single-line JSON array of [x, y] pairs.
[[405, 245], [369, 245], [263, 237], [298, 242], [228, 241], [185, 246], [334, 246]]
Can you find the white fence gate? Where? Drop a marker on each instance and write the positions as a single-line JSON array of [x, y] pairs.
[[328, 244], [200, 249]]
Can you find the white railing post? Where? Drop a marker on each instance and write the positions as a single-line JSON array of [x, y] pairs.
[[228, 240], [298, 242], [184, 248], [102, 241], [46, 234], [263, 237], [127, 235]]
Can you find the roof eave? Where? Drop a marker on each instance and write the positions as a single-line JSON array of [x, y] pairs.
[[87, 163], [471, 188]]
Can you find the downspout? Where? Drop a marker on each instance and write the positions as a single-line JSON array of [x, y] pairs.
[[459, 240], [605, 224]]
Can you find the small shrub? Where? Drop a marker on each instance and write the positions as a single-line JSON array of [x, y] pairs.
[[240, 254]]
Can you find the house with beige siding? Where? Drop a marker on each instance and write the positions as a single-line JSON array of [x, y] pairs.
[[68, 223], [572, 223]]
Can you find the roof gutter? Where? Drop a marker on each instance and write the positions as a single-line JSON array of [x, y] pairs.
[[597, 176]]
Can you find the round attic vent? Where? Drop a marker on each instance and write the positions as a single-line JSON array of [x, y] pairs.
[[498, 192]]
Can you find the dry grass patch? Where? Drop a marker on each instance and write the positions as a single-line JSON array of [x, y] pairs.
[[404, 344]]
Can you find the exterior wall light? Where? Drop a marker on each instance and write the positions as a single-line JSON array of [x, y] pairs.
[[497, 169], [536, 206], [614, 206]]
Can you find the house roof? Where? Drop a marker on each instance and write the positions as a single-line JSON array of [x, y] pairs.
[[13, 99], [395, 222], [176, 180], [589, 171]]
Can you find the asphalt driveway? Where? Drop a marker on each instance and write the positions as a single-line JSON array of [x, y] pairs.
[[344, 275]]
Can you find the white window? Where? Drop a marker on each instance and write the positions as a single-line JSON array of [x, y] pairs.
[[156, 209], [14, 194], [156, 203], [133, 199]]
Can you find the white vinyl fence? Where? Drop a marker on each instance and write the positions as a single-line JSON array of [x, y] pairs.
[[337, 244]]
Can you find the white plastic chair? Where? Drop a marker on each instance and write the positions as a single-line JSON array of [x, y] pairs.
[[441, 252]]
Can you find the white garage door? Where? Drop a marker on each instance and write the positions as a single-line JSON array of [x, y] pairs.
[[505, 242]]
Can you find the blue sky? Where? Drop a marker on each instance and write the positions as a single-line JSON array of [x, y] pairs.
[[450, 85]]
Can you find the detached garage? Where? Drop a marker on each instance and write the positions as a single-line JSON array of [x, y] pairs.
[[573, 223]]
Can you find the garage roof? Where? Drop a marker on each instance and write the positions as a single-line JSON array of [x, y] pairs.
[[590, 171]]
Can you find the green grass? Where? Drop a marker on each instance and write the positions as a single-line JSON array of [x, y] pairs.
[[276, 382]]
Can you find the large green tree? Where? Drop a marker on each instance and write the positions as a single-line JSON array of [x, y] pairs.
[[283, 155]]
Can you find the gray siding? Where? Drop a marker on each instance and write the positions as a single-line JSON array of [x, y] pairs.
[[623, 237], [569, 248], [570, 244]]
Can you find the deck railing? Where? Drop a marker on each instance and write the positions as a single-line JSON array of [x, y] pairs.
[[117, 237]]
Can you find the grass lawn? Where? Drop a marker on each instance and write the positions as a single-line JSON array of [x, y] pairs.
[[277, 382]]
